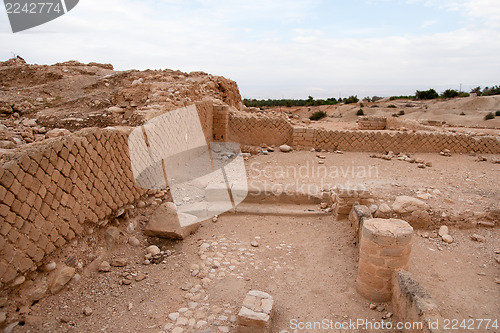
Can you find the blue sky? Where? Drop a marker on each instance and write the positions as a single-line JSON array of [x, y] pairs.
[[279, 48]]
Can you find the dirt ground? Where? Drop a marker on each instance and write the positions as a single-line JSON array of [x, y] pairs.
[[308, 264], [463, 184]]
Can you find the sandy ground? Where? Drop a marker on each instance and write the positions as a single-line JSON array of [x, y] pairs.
[[463, 183]]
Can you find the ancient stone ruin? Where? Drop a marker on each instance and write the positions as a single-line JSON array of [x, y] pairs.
[[71, 210]]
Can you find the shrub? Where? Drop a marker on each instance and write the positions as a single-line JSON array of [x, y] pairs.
[[392, 106], [360, 112], [427, 94], [401, 113], [449, 93], [463, 94], [395, 115], [393, 98], [462, 113], [318, 115], [497, 113], [376, 98], [495, 90], [476, 90], [489, 116], [351, 99]]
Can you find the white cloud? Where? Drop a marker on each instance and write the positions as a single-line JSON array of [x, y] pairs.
[[132, 34], [427, 24]]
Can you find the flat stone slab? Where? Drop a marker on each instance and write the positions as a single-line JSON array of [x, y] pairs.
[[165, 223]]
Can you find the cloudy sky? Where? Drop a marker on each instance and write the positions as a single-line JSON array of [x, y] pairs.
[[282, 48]]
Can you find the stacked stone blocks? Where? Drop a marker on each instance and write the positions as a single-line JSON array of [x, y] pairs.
[[385, 247], [256, 313]]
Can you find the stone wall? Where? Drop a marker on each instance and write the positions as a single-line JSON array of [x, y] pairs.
[[255, 130], [384, 141], [49, 190]]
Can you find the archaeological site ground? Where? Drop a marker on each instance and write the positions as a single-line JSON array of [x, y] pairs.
[[373, 223]]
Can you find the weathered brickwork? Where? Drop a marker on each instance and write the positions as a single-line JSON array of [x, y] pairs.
[[372, 123], [255, 130], [384, 141], [49, 190], [220, 122], [207, 118]]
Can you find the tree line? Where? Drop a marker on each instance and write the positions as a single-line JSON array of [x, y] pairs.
[[419, 94]]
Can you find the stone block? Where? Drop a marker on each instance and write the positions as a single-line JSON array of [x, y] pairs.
[[165, 223], [256, 313]]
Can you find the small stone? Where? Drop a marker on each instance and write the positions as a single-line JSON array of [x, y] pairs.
[[126, 282], [62, 277], [174, 316], [146, 262], [57, 132], [201, 323], [380, 308], [87, 311], [285, 148], [104, 267], [3, 317], [478, 238], [50, 266], [324, 205], [130, 306], [215, 219], [424, 196], [373, 306], [443, 230], [429, 165], [65, 319], [153, 250], [134, 241], [118, 262], [254, 244], [18, 281], [178, 330], [183, 321], [447, 239], [224, 329], [139, 277]]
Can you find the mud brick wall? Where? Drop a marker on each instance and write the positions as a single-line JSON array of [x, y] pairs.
[[206, 114], [49, 190], [220, 122], [384, 141], [249, 129], [372, 123]]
